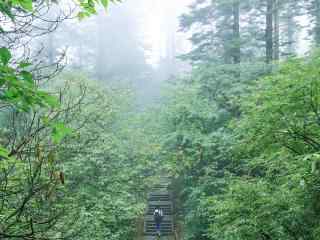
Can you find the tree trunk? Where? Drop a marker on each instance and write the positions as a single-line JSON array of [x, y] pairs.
[[317, 22], [276, 30], [269, 31], [102, 64], [236, 52], [51, 49], [291, 25]]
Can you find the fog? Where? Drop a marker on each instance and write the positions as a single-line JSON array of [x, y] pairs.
[[135, 44]]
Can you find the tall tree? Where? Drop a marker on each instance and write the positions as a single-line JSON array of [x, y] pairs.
[[269, 31], [291, 26], [236, 52], [276, 17], [313, 9], [317, 21], [217, 35]]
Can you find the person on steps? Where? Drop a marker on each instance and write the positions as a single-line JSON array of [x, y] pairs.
[[158, 216]]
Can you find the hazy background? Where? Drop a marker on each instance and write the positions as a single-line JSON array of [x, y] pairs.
[[134, 44]]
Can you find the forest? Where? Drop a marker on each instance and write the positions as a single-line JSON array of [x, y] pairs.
[[219, 97]]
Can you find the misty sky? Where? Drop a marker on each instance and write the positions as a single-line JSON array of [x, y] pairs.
[[158, 15]]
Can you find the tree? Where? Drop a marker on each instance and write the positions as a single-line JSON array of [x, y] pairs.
[[31, 183], [269, 30], [276, 20], [218, 37], [236, 32], [316, 13], [292, 10]]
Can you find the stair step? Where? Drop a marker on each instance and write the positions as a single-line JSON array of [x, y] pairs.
[[156, 199], [162, 224], [165, 218], [159, 196], [155, 234]]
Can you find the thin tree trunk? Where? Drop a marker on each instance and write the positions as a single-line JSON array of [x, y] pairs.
[[101, 66], [80, 55], [276, 30], [290, 30], [51, 50], [317, 18], [269, 31], [236, 32]]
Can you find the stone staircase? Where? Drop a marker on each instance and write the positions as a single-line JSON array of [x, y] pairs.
[[159, 196]]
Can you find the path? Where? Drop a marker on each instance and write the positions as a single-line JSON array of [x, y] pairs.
[[159, 196]]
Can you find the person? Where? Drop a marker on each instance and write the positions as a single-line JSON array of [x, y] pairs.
[[158, 216]]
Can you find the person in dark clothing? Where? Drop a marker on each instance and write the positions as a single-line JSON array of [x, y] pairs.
[[158, 216]]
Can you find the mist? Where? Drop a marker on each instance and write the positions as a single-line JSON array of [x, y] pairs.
[[132, 44]]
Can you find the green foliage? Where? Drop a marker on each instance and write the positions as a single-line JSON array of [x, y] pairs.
[[88, 7], [243, 144], [59, 131], [18, 87], [67, 168], [104, 167]]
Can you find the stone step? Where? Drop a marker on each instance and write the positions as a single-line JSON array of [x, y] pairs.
[[154, 233], [159, 194], [165, 218], [165, 224], [160, 202], [166, 234], [163, 229], [161, 185], [164, 221], [159, 197]]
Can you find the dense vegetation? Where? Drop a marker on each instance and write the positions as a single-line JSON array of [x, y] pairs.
[[239, 135]]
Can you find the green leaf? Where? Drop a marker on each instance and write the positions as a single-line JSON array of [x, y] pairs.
[[27, 76], [26, 4], [24, 64], [59, 131], [5, 8], [4, 153], [105, 3], [51, 101], [5, 55], [82, 15], [47, 99]]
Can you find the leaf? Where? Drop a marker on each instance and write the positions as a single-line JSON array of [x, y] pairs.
[[51, 101], [4, 153], [5, 55], [47, 99], [105, 3], [27, 76], [24, 64], [26, 4], [5, 8], [51, 157], [82, 15], [59, 131]]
